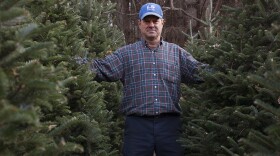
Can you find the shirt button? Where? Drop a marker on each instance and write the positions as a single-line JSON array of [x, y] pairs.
[[155, 86], [156, 112], [155, 74], [155, 99], [154, 63]]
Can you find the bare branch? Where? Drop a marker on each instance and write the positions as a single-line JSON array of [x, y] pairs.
[[172, 4], [180, 9]]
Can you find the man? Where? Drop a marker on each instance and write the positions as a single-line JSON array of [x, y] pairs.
[[151, 71]]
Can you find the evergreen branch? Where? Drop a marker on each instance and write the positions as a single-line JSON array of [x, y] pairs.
[[4, 84], [12, 17], [90, 128], [26, 31], [259, 141], [267, 107], [233, 142], [20, 51], [229, 151]]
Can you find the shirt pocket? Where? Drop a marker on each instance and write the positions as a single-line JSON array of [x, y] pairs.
[[171, 73], [133, 72]]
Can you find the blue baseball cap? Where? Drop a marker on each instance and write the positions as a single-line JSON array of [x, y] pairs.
[[150, 9]]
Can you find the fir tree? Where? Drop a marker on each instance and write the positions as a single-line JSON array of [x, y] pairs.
[[88, 122], [267, 84], [227, 107], [101, 39], [28, 87], [57, 107]]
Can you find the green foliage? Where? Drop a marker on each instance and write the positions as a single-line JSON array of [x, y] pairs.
[[25, 81], [267, 142], [99, 32], [49, 105], [226, 110]]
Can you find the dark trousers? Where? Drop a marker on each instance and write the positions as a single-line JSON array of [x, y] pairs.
[[145, 135]]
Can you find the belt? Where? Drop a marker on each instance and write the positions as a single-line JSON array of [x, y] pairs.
[[162, 115]]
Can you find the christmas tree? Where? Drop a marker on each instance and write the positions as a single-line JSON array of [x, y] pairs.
[[233, 112], [28, 87], [49, 104]]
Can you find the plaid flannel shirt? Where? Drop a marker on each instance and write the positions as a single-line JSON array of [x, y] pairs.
[[151, 77]]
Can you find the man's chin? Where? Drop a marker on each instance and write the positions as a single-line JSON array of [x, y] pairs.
[[151, 37]]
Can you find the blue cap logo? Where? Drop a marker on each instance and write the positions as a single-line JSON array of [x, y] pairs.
[[150, 9]]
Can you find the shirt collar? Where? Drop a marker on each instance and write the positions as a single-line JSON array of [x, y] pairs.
[[144, 43]]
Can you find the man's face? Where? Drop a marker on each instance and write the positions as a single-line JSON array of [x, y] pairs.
[[151, 27]]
